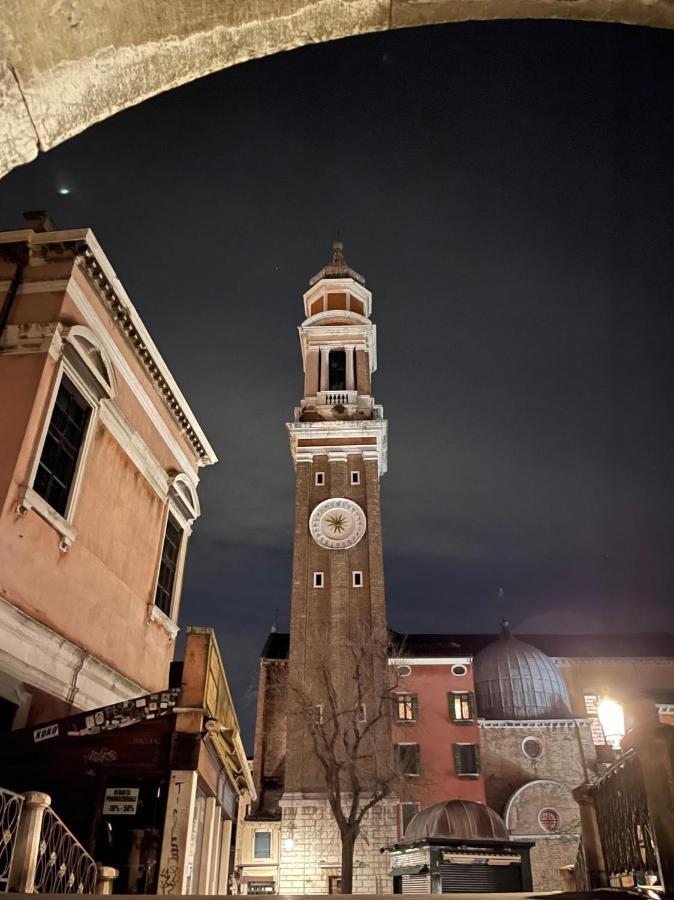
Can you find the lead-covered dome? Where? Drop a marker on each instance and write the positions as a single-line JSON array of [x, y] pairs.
[[462, 819], [514, 680]]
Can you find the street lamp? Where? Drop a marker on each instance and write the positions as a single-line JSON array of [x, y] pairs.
[[612, 720]]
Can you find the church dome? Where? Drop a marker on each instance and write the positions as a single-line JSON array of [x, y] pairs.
[[514, 680], [462, 819]]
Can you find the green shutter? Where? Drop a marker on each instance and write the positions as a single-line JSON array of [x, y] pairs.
[[450, 704], [477, 757], [471, 703], [457, 759], [415, 707]]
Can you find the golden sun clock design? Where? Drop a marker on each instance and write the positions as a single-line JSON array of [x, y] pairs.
[[337, 523]]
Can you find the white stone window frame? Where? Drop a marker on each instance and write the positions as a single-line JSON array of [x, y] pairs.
[[319, 479], [271, 838], [319, 580], [183, 507], [83, 360], [355, 477], [357, 580]]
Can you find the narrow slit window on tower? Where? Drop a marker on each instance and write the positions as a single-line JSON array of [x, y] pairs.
[[320, 479], [318, 579], [357, 579], [337, 370], [355, 478]]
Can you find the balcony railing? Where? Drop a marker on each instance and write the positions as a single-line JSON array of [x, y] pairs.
[[337, 398], [10, 815], [63, 865], [38, 853]]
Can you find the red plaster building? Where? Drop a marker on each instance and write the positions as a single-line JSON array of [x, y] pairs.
[[435, 730], [99, 467]]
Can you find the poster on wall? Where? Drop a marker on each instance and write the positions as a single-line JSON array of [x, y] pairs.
[[120, 801]]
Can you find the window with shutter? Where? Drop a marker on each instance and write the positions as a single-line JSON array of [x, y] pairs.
[[408, 759], [407, 707], [461, 706], [467, 759]]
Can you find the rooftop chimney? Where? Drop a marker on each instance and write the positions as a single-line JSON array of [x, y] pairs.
[[39, 220]]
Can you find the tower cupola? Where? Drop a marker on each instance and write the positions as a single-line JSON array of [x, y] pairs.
[[339, 345]]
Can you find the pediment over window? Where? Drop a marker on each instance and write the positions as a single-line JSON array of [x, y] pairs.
[[183, 495], [86, 353]]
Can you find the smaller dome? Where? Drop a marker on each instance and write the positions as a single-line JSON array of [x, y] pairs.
[[463, 819]]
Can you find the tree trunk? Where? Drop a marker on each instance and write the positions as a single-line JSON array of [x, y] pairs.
[[348, 843]]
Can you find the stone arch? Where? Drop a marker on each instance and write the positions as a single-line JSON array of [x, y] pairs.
[[521, 813], [553, 849], [69, 67]]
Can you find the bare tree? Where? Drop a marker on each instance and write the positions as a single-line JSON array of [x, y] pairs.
[[346, 710]]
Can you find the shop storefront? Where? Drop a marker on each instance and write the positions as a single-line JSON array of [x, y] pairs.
[[149, 786]]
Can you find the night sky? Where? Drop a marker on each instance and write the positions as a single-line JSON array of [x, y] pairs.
[[507, 189]]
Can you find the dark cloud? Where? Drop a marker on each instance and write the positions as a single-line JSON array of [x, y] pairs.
[[507, 189]]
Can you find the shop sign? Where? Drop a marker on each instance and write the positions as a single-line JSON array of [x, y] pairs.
[[43, 734], [120, 801]]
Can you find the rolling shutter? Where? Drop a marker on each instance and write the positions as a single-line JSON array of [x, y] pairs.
[[416, 884], [472, 878]]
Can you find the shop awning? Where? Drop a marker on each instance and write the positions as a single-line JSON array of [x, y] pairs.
[[258, 872]]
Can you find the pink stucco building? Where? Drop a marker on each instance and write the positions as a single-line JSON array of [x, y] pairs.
[[99, 466]]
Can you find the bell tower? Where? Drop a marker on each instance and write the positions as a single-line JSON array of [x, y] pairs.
[[338, 442]]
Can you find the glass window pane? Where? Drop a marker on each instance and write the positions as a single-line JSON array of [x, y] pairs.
[[65, 435], [262, 845], [168, 566]]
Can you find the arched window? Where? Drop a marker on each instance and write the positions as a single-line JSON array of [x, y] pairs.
[[84, 378]]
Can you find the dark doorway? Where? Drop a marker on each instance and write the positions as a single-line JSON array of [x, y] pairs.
[[334, 884]]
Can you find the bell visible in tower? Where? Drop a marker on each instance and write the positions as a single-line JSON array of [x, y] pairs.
[[338, 342]]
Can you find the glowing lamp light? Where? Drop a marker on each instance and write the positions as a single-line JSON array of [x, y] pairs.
[[288, 843], [612, 720], [64, 191]]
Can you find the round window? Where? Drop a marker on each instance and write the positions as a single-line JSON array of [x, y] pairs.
[[404, 671], [532, 747], [459, 670], [548, 819]]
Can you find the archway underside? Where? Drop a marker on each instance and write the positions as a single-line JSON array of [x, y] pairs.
[[67, 64]]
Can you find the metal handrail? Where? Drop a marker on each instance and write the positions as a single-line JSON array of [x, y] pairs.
[[11, 805], [63, 865]]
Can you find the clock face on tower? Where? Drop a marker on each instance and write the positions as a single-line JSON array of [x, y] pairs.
[[337, 523]]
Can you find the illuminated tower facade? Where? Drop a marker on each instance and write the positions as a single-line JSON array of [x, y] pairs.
[[338, 442]]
